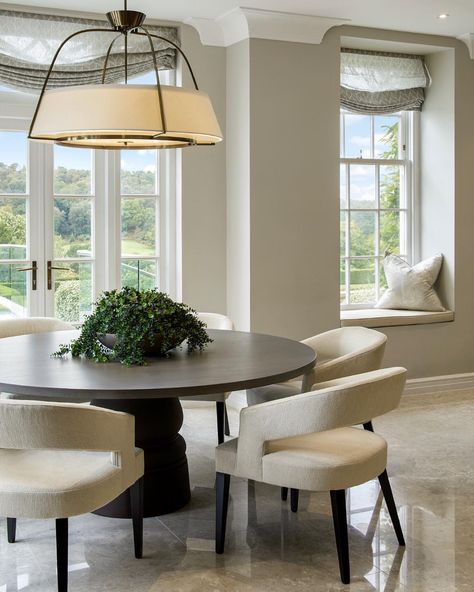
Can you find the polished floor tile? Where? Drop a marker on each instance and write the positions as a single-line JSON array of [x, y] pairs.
[[270, 549]]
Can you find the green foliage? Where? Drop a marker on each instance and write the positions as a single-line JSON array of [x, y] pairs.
[[135, 317], [138, 182], [72, 181], [12, 178], [12, 226]]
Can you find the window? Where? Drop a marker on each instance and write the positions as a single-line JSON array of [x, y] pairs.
[[88, 220], [375, 201]]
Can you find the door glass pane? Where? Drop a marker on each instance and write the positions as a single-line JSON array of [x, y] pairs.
[[362, 186], [138, 172], [13, 162], [72, 227], [362, 281], [362, 238], [13, 290], [73, 291], [141, 275], [139, 226], [72, 171], [12, 228]]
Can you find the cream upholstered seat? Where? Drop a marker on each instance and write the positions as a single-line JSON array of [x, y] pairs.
[[59, 460], [340, 352], [306, 442], [216, 321], [27, 326]]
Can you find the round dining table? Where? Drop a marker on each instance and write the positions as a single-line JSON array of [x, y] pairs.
[[234, 360]]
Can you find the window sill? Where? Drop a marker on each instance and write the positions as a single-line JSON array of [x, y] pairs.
[[377, 317]]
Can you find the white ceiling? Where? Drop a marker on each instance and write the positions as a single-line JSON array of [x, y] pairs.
[[404, 15]]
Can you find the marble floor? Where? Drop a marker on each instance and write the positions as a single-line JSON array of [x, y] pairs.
[[431, 458]]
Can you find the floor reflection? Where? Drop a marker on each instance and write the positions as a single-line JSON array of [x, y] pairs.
[[270, 549]]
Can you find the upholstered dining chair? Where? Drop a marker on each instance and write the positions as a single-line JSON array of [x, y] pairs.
[[339, 352], [59, 460], [216, 321], [25, 326], [306, 442]]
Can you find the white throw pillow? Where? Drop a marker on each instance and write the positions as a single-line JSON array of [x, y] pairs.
[[411, 288]]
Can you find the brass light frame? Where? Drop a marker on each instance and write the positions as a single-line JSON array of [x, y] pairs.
[[126, 22]]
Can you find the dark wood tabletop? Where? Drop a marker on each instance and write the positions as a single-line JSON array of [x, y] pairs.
[[235, 360]]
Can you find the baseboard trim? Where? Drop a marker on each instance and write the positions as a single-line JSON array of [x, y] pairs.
[[414, 386], [437, 384]]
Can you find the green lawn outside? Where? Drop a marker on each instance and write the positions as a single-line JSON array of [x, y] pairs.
[[131, 247]]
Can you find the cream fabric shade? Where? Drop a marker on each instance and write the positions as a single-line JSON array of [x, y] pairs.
[[122, 116]]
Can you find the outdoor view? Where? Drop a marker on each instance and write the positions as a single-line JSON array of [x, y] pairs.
[[373, 203], [73, 189], [13, 204]]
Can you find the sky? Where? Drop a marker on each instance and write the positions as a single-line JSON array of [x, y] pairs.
[[13, 150], [356, 143]]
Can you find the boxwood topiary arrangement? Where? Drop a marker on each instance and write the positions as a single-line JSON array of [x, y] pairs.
[[138, 321]]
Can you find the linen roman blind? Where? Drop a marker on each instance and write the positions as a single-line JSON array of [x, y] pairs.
[[28, 42], [379, 82]]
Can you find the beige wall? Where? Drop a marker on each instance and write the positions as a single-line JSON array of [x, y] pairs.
[[204, 190], [238, 184], [282, 188], [294, 145]]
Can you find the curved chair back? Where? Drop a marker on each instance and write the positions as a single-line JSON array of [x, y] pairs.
[[29, 425], [28, 325], [345, 402], [215, 320], [346, 351]]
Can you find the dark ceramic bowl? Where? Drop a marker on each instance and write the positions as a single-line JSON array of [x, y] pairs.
[[151, 347]]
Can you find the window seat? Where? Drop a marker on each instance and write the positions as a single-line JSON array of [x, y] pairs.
[[378, 317]]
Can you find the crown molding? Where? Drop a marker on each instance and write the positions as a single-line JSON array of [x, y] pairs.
[[249, 23], [468, 39]]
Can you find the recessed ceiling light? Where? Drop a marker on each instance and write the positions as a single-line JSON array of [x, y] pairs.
[[443, 16]]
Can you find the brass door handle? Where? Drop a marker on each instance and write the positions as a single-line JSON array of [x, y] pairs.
[[50, 268], [34, 270]]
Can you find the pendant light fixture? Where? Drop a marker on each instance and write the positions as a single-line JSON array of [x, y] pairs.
[[122, 116]]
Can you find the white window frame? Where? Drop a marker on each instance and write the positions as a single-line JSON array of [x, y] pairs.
[[409, 135], [16, 110]]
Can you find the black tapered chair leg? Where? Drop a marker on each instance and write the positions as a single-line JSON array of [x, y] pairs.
[[136, 505], [220, 412], [222, 504], [368, 426], [284, 494], [226, 421], [392, 508], [62, 552], [11, 529], [294, 498], [338, 504]]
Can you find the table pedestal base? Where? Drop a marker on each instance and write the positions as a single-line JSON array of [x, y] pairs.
[[166, 479]]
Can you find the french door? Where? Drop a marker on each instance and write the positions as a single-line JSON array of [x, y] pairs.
[[75, 222]]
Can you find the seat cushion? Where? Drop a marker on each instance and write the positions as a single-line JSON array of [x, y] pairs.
[[61, 483], [335, 459]]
